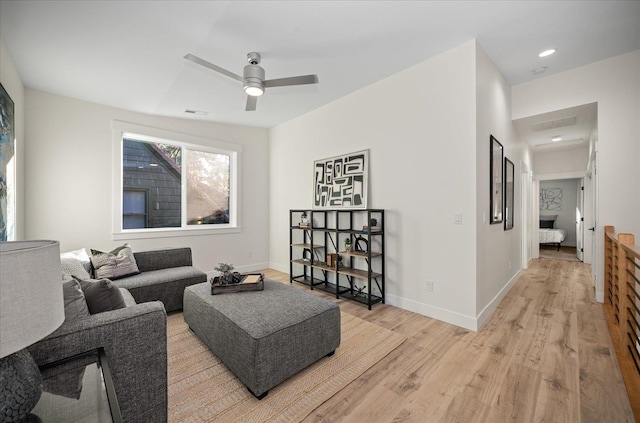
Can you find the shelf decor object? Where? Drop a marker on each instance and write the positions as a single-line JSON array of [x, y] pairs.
[[341, 181], [496, 175], [31, 307]]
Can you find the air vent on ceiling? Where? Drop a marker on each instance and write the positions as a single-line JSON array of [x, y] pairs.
[[555, 123]]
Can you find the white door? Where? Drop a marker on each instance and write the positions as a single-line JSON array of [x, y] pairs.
[[597, 261], [580, 220]]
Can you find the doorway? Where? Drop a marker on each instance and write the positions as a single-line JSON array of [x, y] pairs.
[[560, 213], [561, 143]]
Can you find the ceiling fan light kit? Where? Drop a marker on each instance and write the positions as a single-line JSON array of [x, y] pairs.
[[253, 77]]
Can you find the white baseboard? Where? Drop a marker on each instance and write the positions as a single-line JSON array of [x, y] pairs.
[[600, 296], [448, 316], [279, 267], [484, 315]]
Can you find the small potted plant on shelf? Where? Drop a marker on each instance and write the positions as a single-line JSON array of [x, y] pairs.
[[347, 244], [304, 219]]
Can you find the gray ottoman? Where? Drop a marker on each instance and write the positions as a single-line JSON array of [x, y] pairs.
[[264, 337]]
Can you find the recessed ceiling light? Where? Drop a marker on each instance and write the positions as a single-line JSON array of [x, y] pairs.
[[547, 52], [556, 138], [538, 71]]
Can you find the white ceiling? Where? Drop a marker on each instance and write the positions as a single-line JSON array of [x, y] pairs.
[[574, 125], [129, 54]]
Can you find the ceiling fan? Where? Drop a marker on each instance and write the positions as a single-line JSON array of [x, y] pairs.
[[253, 78]]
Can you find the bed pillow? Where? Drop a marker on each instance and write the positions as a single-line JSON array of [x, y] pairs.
[[115, 264], [547, 224]]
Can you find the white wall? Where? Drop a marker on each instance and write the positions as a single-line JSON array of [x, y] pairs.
[[567, 215], [561, 161], [69, 176], [12, 83], [614, 84], [498, 251], [419, 125]]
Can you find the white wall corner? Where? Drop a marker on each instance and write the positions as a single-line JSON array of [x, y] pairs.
[[486, 313]]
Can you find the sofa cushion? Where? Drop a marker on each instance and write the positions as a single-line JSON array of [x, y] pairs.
[[75, 305], [101, 295], [166, 285], [128, 298], [115, 264]]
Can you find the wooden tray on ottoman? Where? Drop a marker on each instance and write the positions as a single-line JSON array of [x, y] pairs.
[[249, 282]]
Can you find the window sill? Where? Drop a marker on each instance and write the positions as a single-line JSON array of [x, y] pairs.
[[170, 233]]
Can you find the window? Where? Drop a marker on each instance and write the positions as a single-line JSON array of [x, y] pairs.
[[166, 184], [134, 209]]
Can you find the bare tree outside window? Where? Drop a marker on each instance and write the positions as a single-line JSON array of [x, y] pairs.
[[207, 188]]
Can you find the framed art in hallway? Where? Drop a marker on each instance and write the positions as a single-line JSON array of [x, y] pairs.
[[341, 181], [496, 175], [7, 166], [508, 194]]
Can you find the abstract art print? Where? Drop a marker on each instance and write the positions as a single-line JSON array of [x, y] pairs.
[[341, 181], [551, 199], [7, 148]]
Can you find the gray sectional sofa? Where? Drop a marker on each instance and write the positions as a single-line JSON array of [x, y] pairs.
[[164, 274], [134, 338]]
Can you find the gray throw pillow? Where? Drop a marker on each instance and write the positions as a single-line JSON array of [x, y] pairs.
[[101, 295], [114, 264], [75, 306]]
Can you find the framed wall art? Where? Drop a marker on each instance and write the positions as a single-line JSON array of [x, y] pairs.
[[496, 173], [551, 199], [508, 194], [341, 181], [7, 167]]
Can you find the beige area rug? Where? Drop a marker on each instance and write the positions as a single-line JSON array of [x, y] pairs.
[[202, 389]]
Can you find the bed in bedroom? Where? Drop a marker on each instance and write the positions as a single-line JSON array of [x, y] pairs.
[[552, 237], [549, 234]]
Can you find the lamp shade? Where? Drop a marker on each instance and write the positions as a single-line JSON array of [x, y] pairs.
[[31, 303]]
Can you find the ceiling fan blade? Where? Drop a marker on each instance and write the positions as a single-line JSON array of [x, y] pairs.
[[202, 62], [292, 80], [251, 103]]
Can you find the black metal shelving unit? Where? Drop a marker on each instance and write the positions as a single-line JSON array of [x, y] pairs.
[[310, 245]]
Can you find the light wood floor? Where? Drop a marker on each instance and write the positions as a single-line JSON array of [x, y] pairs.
[[544, 356]]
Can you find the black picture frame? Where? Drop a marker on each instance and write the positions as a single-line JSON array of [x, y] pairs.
[[509, 174], [496, 176]]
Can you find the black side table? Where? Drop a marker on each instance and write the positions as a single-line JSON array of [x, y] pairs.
[[78, 389]]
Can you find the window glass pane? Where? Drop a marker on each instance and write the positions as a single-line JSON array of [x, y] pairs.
[[156, 169], [207, 188], [133, 222], [134, 202]]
